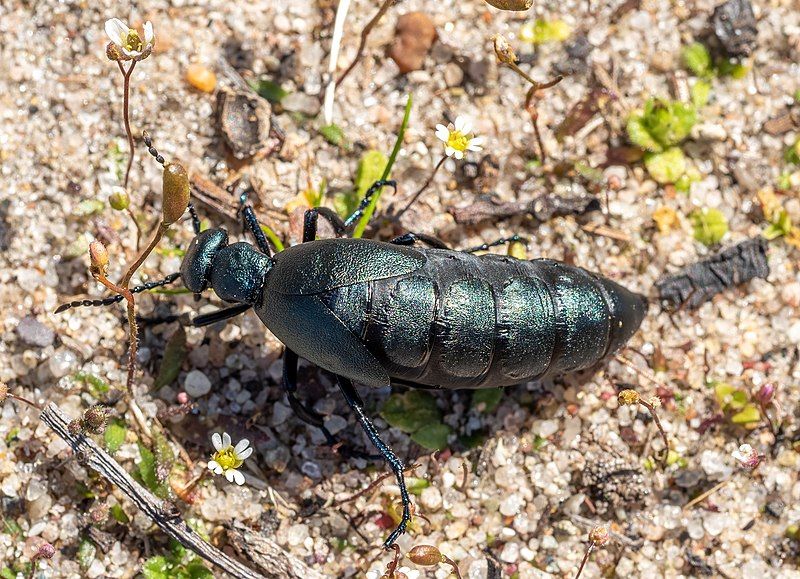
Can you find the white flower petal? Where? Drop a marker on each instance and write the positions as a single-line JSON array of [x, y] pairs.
[[244, 443], [449, 151], [116, 29], [461, 120], [466, 127], [477, 141], [226, 440], [238, 477], [243, 455], [215, 467], [149, 35], [216, 440], [131, 53], [459, 155], [442, 133], [229, 474]]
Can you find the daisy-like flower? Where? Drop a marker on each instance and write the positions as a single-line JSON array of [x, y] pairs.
[[128, 42], [747, 457], [458, 138], [229, 458]]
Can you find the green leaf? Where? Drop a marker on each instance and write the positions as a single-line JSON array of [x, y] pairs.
[[119, 514], [268, 89], [97, 386], [640, 136], [410, 411], [156, 568], [196, 569], [115, 434], [710, 226], [86, 553], [415, 485], [666, 167], [174, 355], [148, 474], [780, 226], [486, 399], [792, 154], [732, 68], [370, 169], [747, 415], [333, 134], [7, 573], [474, 440], [362, 223], [543, 31], [668, 122], [701, 92], [89, 207], [697, 59], [432, 436]]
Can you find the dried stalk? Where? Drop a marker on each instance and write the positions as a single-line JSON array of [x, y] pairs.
[[282, 564], [364, 35]]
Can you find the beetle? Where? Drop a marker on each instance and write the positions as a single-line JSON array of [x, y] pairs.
[[409, 311], [381, 313]]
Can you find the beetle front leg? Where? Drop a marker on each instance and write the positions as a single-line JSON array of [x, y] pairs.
[[397, 466]]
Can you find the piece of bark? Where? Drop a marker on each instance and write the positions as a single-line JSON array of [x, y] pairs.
[[267, 555], [162, 513], [699, 282], [735, 27], [543, 208]]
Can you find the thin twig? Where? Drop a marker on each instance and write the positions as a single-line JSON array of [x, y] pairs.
[[364, 34], [133, 329], [25, 400], [701, 497], [157, 510], [425, 185], [585, 559], [374, 484], [336, 43]]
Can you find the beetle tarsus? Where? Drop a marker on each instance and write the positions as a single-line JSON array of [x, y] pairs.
[[117, 298], [397, 466], [251, 222], [411, 238], [220, 315]]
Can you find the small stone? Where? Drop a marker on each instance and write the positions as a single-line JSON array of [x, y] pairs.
[[35, 333], [431, 498], [510, 553], [335, 423], [280, 412], [735, 27], [414, 36], [297, 534], [514, 5], [62, 362], [302, 103], [311, 469], [201, 77], [453, 74], [774, 508], [196, 384], [714, 523]]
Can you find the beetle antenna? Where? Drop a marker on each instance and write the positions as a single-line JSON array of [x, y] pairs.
[[148, 141], [118, 298]]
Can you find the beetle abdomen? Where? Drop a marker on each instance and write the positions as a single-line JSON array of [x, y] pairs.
[[462, 321]]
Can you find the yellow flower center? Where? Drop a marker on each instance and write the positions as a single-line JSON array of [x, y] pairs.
[[227, 458], [131, 41], [458, 141]]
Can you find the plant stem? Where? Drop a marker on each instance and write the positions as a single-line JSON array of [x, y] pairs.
[[25, 400], [425, 185], [585, 559], [133, 329], [364, 34], [126, 75], [652, 410], [159, 233]]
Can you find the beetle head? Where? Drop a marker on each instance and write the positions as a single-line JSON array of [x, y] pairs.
[[236, 272]]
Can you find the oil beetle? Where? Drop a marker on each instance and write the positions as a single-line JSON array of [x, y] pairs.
[[380, 313]]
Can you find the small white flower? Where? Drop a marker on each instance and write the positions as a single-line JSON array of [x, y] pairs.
[[747, 457], [128, 41], [410, 573], [228, 458], [458, 138]]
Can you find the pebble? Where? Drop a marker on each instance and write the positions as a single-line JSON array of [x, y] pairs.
[[453, 74], [280, 412], [297, 534], [431, 498], [510, 553], [201, 77], [35, 333], [414, 36], [62, 362], [311, 469], [299, 102], [196, 384], [335, 423]]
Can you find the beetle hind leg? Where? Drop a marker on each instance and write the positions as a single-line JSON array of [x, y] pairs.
[[397, 466]]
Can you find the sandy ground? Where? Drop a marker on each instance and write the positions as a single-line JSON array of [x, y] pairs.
[[526, 508]]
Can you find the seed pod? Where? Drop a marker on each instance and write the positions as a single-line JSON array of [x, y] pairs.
[[75, 427], [45, 551], [629, 397], [98, 258], [599, 535], [95, 419], [175, 183], [3, 392], [426, 555], [505, 53], [119, 199], [517, 5], [114, 53]]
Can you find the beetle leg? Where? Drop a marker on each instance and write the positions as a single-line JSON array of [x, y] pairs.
[[219, 315], [397, 466], [304, 413], [118, 298], [195, 219], [251, 221], [411, 238], [501, 241], [310, 222], [362, 206]]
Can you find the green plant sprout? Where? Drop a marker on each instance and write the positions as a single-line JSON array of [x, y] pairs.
[[697, 59], [710, 226]]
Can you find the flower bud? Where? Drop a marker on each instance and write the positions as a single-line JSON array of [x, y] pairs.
[[175, 184], [629, 397], [99, 513], [119, 199], [766, 394], [95, 419], [45, 551], [98, 258], [503, 50], [426, 555], [516, 5], [75, 427], [599, 535], [114, 53]]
